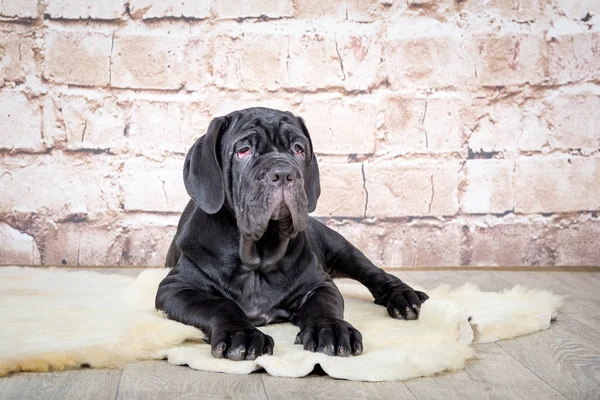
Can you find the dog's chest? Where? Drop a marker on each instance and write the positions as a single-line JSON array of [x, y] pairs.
[[261, 296]]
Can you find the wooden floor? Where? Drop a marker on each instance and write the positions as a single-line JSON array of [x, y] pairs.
[[560, 363]]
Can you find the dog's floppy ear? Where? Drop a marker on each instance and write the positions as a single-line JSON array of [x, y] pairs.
[[312, 183], [202, 173]]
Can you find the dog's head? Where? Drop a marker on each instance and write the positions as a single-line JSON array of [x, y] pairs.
[[259, 164]]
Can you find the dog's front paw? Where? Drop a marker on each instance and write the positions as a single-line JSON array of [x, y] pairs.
[[405, 303], [332, 336], [241, 344]]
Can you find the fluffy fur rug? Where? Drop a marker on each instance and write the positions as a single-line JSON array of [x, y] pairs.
[[54, 319]]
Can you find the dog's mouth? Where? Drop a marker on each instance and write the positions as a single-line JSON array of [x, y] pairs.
[[285, 222], [267, 246], [267, 228], [281, 213], [283, 210], [291, 215]]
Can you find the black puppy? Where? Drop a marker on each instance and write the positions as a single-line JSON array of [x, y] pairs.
[[246, 253]]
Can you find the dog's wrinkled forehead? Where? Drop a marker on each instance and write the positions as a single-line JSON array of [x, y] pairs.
[[271, 127]]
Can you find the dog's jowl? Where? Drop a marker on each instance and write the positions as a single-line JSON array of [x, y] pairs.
[[246, 253]]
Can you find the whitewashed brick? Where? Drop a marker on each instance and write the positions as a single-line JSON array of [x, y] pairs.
[[509, 244], [579, 244], [547, 184], [409, 188], [91, 50], [83, 244], [509, 60], [577, 10], [403, 122], [574, 121], [342, 192], [60, 185], [362, 10], [196, 119], [93, 124], [489, 186], [420, 3], [254, 8], [19, 8], [16, 55], [17, 248], [401, 244], [156, 126], [368, 238], [507, 125], [147, 244], [350, 10], [574, 58], [534, 133], [509, 11], [327, 121], [501, 129], [310, 61], [310, 9], [52, 122], [314, 62], [424, 62], [342, 59], [443, 122], [224, 105], [415, 125], [198, 59], [421, 245], [161, 126], [21, 122], [149, 9], [149, 62], [254, 61], [151, 186], [84, 9]]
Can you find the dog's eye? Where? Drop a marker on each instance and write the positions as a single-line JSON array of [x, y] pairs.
[[298, 149], [244, 151]]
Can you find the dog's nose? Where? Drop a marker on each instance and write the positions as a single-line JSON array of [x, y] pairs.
[[281, 175]]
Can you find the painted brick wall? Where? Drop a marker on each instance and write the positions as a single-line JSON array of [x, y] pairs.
[[449, 132]]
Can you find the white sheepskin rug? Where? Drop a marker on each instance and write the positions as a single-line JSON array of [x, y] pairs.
[[52, 319]]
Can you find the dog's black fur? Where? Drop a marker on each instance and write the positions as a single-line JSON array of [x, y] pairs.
[[246, 253]]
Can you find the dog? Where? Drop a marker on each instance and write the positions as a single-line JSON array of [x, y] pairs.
[[246, 252]]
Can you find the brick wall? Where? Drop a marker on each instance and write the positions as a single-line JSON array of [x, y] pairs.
[[449, 132]]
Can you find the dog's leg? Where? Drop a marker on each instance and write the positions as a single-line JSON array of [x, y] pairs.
[[343, 259], [230, 332], [322, 325]]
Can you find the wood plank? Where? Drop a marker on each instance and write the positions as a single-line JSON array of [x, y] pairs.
[[77, 384], [160, 380], [566, 356], [581, 284], [582, 291], [585, 311], [315, 386], [493, 374]]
